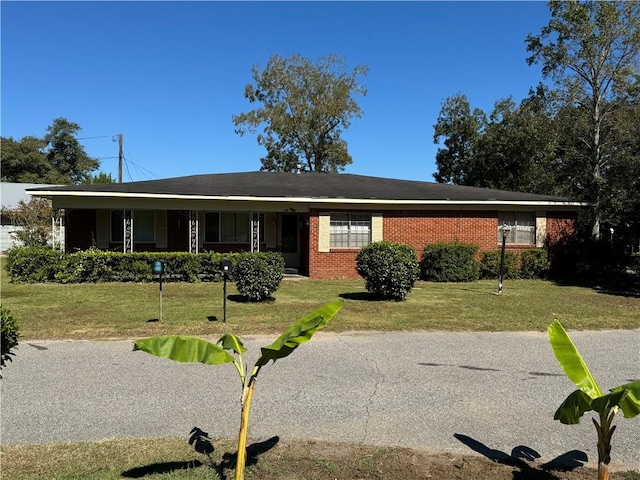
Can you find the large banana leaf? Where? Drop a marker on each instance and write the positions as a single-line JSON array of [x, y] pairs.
[[571, 361], [630, 403], [184, 349], [573, 407], [230, 342], [299, 333]]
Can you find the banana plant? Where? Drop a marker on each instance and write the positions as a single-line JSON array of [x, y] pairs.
[[589, 397], [229, 349]]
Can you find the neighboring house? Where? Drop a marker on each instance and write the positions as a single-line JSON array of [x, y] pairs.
[[317, 221], [10, 195]]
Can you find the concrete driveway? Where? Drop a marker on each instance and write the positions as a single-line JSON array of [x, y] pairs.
[[455, 392]]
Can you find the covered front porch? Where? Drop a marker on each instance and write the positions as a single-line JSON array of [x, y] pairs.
[[194, 231]]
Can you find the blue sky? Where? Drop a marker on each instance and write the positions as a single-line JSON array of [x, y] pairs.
[[170, 75]]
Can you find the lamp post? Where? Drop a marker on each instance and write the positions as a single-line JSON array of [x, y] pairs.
[[225, 265], [504, 230]]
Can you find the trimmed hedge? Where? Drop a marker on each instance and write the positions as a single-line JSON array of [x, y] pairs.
[[450, 262], [35, 265], [8, 337], [534, 263], [390, 269], [490, 264], [258, 275]]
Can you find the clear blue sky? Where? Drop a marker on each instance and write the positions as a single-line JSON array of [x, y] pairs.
[[170, 75]]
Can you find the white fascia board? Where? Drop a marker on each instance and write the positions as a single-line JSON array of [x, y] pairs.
[[323, 200]]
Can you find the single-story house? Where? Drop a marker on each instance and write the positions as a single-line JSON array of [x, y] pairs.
[[317, 221]]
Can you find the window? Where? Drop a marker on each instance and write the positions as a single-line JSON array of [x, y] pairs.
[[348, 230], [523, 228], [229, 227], [144, 226]]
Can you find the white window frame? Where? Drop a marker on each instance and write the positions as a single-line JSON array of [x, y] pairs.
[[355, 227], [523, 228]]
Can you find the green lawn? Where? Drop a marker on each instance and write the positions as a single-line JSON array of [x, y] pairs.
[[122, 310]]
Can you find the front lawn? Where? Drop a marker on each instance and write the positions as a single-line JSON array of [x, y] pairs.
[[122, 310]]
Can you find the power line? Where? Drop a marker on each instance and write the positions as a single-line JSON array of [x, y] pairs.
[[90, 138]]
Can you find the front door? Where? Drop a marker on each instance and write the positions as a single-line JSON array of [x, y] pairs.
[[290, 240]]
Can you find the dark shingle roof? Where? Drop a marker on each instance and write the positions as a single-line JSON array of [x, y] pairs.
[[306, 185]]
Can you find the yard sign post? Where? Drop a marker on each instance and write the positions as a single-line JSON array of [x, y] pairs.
[[158, 269]]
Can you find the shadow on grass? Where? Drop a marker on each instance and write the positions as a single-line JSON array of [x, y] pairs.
[[625, 285], [522, 454], [201, 443], [242, 299]]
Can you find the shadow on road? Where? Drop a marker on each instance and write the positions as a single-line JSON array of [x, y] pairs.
[[521, 455]]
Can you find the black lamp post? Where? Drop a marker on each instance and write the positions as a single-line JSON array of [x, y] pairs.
[[504, 230], [225, 265]]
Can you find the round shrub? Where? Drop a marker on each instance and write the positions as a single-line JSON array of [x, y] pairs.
[[258, 275], [32, 264], [8, 336], [389, 269], [450, 262], [490, 264], [534, 263]]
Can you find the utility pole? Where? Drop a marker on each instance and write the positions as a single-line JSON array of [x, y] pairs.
[[119, 158]]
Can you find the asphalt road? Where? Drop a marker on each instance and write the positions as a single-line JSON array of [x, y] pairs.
[[491, 393]]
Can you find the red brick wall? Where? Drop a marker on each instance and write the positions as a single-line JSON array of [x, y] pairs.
[[418, 228], [560, 225]]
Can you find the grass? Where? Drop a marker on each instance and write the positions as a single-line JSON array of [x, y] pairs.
[[273, 459], [122, 310]]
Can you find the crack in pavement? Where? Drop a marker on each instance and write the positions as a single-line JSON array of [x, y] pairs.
[[381, 380]]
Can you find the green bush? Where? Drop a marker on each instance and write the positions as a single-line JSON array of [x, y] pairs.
[[534, 263], [258, 275], [490, 264], [8, 337], [389, 269], [450, 262], [32, 264]]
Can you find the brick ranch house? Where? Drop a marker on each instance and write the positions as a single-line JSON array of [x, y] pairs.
[[317, 221]]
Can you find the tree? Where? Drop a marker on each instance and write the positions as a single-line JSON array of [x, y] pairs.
[[99, 179], [57, 158], [64, 152], [590, 50], [305, 108], [511, 149], [461, 128], [34, 218]]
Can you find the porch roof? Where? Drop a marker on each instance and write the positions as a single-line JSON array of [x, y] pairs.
[[304, 187]]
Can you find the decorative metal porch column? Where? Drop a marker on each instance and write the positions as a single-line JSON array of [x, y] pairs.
[[255, 232], [127, 221], [57, 229], [193, 231]]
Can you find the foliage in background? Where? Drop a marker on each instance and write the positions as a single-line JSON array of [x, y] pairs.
[[230, 348], [591, 50], [489, 266], [589, 397], [305, 107], [9, 334], [57, 158], [258, 275], [449, 262], [34, 219], [389, 269]]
